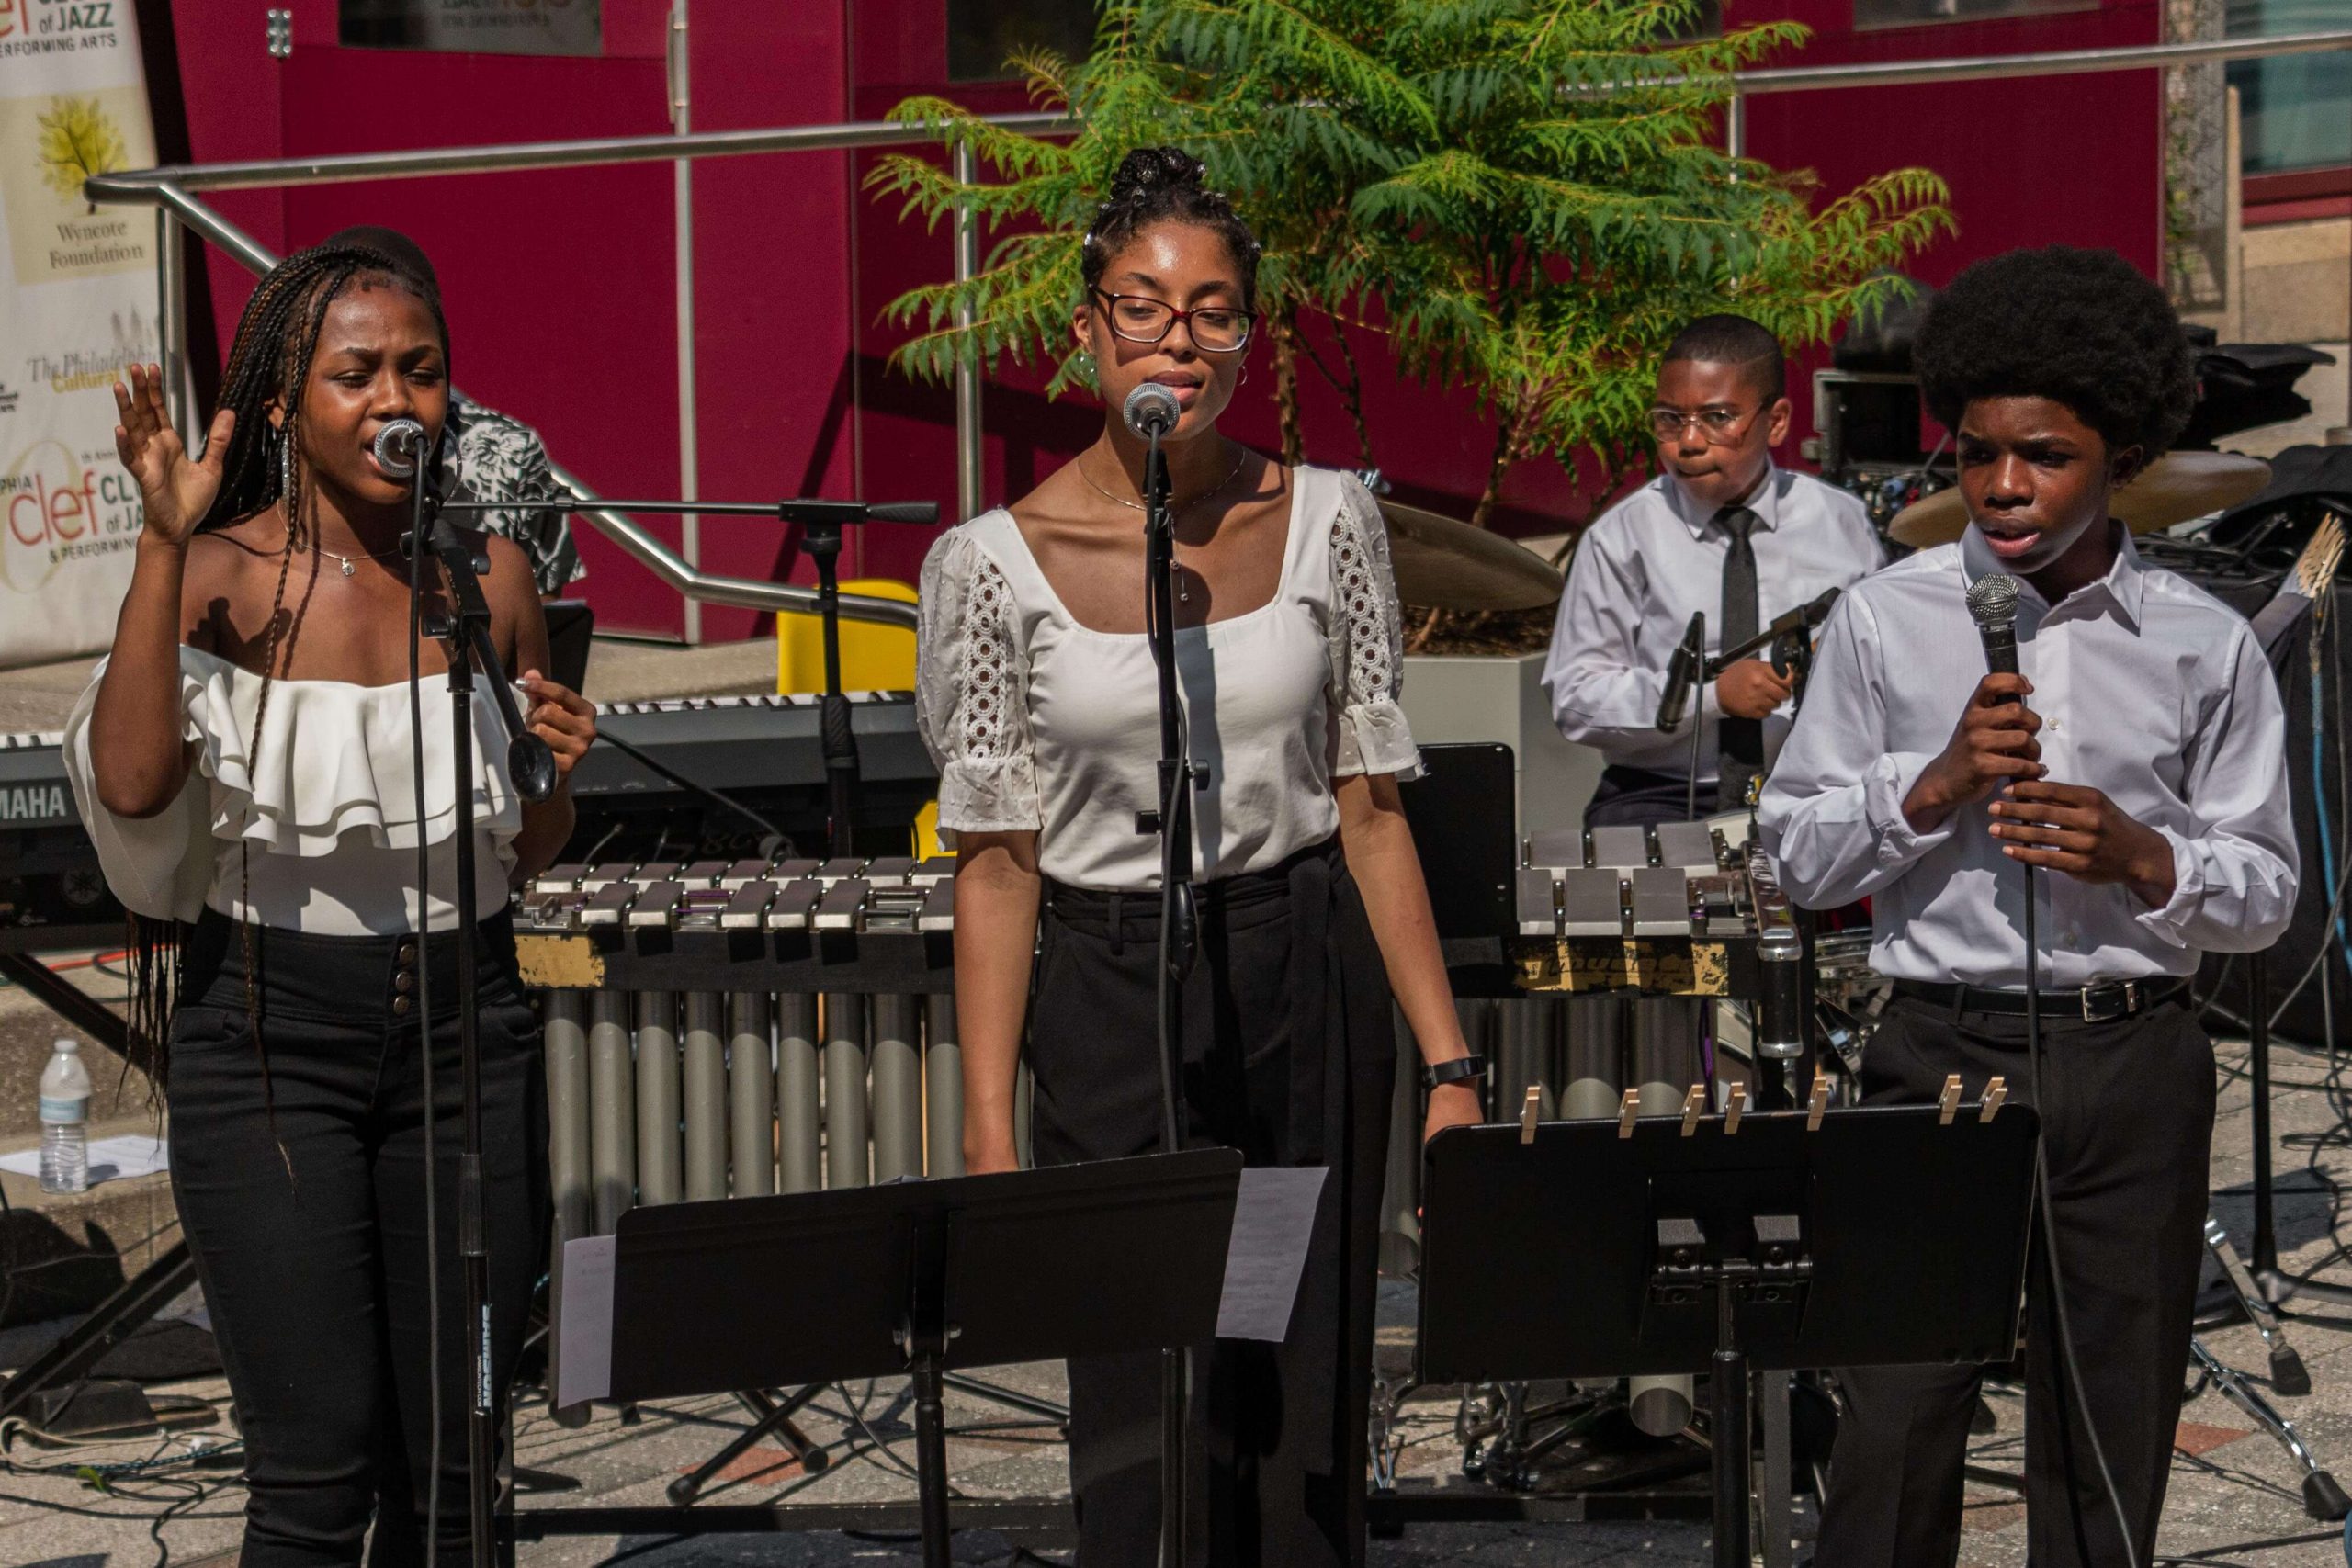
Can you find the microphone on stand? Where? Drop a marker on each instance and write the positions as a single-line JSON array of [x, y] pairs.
[[398, 446], [1684, 670], [1151, 410]]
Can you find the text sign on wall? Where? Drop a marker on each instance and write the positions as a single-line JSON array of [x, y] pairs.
[[479, 27], [78, 303]]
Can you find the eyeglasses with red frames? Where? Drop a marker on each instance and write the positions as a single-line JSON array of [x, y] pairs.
[[1215, 329]]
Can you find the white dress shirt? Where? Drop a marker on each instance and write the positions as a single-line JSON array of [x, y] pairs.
[[2149, 689], [1640, 572]]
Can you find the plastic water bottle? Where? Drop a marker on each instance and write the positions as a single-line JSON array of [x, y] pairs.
[[65, 1121]]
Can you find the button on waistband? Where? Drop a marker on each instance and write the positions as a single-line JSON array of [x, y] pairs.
[[400, 1006]]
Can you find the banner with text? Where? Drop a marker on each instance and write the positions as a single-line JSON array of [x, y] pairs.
[[78, 303]]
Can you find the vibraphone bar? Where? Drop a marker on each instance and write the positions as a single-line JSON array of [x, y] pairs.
[[740, 1028]]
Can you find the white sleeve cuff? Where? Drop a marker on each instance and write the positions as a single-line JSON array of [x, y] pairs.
[[1885, 785], [990, 796], [2172, 921], [1375, 738]]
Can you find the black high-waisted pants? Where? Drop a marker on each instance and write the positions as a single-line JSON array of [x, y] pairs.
[[1290, 1051], [302, 1196]]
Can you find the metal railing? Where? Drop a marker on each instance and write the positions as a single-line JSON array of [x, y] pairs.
[[169, 190]]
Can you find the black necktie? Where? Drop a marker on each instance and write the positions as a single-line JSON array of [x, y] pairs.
[[1741, 741]]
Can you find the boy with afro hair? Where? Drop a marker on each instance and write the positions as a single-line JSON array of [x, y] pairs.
[[2138, 760]]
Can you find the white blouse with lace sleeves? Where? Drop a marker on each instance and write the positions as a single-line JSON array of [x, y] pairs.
[[971, 692], [1039, 721], [1366, 637]]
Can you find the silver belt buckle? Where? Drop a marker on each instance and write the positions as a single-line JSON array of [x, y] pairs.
[[2127, 998]]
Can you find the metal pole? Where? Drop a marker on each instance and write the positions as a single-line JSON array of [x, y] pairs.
[[1735, 124], [143, 184], [966, 167], [2257, 1012], [683, 180], [171, 318]]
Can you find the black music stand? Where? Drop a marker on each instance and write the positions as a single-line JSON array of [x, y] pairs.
[[1871, 1236], [921, 1277]]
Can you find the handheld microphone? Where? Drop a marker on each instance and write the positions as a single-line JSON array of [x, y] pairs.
[[1151, 410], [398, 445], [1993, 600], [1682, 672]]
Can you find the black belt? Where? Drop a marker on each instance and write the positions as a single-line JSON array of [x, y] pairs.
[[2094, 1004]]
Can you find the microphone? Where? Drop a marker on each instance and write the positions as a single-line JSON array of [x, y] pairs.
[[398, 445], [1682, 672], [1152, 411], [1993, 600]]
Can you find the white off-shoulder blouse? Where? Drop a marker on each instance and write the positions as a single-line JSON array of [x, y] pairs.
[[1039, 723], [313, 825]]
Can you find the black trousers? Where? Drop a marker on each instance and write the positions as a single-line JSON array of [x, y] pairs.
[[302, 1196], [1290, 1053], [2128, 1117], [1637, 798]]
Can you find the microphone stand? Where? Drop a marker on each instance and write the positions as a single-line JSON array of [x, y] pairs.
[[1178, 937], [822, 523], [464, 634]]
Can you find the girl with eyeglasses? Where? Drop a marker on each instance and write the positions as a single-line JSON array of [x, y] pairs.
[[1039, 698]]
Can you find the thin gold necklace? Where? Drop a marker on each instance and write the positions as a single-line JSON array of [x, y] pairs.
[[1175, 510]]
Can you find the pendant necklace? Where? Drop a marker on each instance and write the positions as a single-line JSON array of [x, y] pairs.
[[1175, 512], [350, 564]]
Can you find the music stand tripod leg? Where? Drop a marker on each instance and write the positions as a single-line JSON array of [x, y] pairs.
[[1772, 1501], [2322, 1498], [775, 1418]]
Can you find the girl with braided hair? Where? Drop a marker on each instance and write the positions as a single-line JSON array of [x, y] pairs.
[[1039, 693], [243, 762]]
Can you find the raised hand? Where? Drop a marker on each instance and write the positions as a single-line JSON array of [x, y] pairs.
[[175, 489]]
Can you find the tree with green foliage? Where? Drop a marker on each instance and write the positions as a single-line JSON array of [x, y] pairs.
[[1521, 198]]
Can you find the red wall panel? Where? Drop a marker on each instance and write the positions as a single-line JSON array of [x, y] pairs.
[[561, 284]]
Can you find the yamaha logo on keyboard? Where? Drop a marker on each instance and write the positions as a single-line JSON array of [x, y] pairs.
[[36, 805]]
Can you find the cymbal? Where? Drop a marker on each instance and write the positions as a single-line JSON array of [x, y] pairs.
[[1451, 566], [2175, 487]]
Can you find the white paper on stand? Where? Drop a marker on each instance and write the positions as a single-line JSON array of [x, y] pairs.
[[1273, 1219], [584, 1343]]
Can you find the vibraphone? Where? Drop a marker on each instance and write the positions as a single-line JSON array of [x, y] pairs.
[[723, 1028], [1626, 938], [741, 1027]]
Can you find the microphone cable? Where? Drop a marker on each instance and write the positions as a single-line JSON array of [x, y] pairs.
[[2065, 1346]]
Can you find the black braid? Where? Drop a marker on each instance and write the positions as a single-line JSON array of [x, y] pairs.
[[1162, 183]]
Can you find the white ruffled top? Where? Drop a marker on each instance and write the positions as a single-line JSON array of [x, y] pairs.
[[1037, 722], [313, 825]]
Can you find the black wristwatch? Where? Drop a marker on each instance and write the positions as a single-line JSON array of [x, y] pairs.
[[1458, 1070]]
